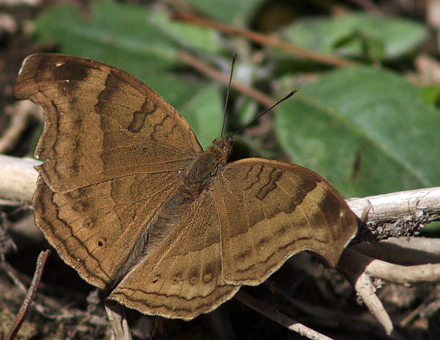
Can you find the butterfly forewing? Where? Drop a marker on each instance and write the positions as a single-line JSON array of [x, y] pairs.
[[101, 122]]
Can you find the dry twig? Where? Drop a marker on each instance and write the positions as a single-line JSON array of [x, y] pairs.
[[279, 317], [41, 261], [211, 72], [118, 322], [20, 115], [264, 40]]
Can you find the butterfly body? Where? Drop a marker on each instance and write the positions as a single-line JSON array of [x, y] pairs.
[[207, 164], [129, 199]]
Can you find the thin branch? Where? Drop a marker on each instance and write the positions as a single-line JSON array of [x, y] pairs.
[[395, 205], [118, 322], [359, 269], [396, 214], [264, 40], [279, 317], [363, 285], [21, 112], [18, 178], [395, 273], [327, 316], [41, 261], [429, 306], [368, 6], [403, 250], [211, 72], [366, 290]]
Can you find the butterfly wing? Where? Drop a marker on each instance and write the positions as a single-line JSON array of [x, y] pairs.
[[101, 122], [256, 214], [269, 211], [183, 277], [113, 150]]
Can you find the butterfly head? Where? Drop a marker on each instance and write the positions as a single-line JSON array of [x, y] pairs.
[[222, 146]]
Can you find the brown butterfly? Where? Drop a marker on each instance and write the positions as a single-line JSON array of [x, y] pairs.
[[130, 200]]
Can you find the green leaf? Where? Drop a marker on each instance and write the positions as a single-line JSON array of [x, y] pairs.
[[372, 48], [431, 94], [206, 114], [112, 33], [227, 11], [399, 36], [189, 35], [366, 130]]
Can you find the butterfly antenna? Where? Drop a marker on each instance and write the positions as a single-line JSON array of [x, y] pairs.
[[265, 111], [234, 57]]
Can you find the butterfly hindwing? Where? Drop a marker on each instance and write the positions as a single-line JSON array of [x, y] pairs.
[[271, 210]]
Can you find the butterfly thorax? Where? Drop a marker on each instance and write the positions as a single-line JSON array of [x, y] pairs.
[[198, 176], [208, 163]]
